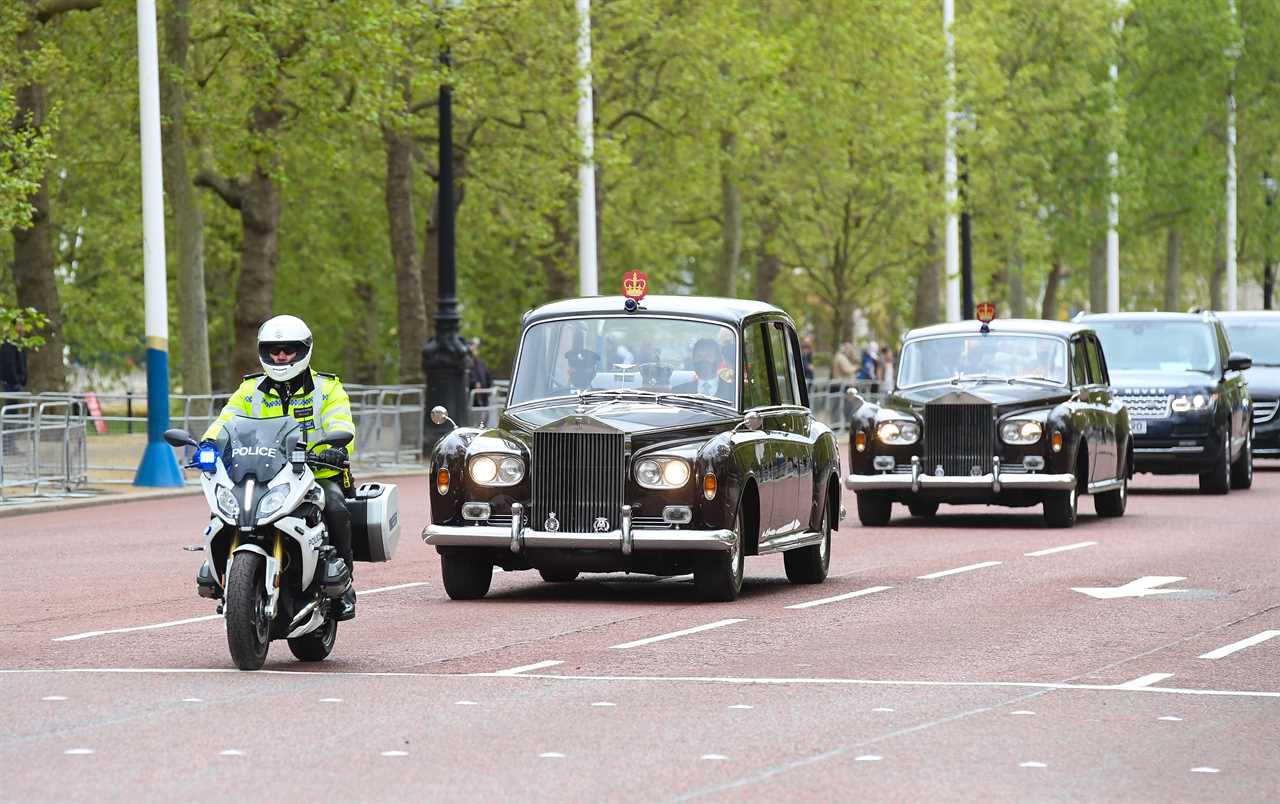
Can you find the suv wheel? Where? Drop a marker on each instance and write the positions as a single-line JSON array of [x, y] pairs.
[[1218, 479], [1242, 469]]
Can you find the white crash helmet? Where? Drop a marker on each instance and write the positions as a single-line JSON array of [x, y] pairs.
[[287, 330]]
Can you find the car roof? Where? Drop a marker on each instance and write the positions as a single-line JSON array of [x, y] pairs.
[[1019, 326], [1204, 317], [1248, 315], [723, 310]]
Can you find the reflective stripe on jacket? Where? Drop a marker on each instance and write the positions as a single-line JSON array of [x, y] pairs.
[[324, 409]]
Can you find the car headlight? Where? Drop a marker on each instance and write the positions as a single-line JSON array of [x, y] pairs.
[[227, 503], [898, 431], [662, 473], [496, 470], [1185, 402], [1021, 431], [271, 503]]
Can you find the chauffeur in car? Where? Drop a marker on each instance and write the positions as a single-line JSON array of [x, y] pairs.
[[1013, 413], [661, 435]]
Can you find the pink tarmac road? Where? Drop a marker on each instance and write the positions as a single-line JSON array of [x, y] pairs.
[[949, 658]]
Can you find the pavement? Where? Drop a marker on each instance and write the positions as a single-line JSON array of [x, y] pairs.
[[951, 659]]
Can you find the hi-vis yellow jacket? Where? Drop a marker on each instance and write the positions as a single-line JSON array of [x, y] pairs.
[[325, 409]]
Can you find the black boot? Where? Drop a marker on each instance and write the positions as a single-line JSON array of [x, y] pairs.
[[345, 608]]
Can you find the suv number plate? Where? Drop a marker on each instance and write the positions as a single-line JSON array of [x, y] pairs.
[[1138, 426]]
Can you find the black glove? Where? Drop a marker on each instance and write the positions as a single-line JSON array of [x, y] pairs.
[[333, 457]]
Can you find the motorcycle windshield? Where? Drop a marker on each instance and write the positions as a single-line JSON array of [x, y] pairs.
[[258, 447]]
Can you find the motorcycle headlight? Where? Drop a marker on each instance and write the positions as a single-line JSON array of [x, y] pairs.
[[662, 473], [271, 503], [227, 504], [496, 470], [898, 431], [1021, 431]]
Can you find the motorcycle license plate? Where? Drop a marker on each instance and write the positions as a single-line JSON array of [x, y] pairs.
[[1139, 427]]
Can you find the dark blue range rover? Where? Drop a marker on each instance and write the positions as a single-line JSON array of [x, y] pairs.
[[1186, 393]]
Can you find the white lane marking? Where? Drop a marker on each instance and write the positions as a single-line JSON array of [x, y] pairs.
[[868, 758], [733, 680], [980, 565], [78, 751], [193, 700], [662, 637], [1170, 718], [551, 755], [1064, 548], [603, 703], [1145, 681], [515, 671], [1032, 765], [54, 698], [231, 752], [1204, 770], [1140, 587], [1227, 650], [465, 703], [1022, 712], [882, 709], [741, 706], [330, 700], [207, 617], [395, 753], [714, 756], [847, 595]]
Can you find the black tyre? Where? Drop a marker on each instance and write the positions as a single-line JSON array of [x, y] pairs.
[[810, 564], [1242, 469], [718, 576], [466, 578], [1060, 508], [558, 575], [248, 630], [317, 645], [923, 509], [1218, 479], [1113, 503], [874, 508]]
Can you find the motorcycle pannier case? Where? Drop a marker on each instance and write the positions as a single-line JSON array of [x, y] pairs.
[[375, 521]]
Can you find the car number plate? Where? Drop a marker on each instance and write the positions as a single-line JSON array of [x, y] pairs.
[[1138, 426]]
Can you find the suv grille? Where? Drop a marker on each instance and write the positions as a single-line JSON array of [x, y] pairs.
[[1264, 410], [580, 478], [958, 438], [1146, 406]]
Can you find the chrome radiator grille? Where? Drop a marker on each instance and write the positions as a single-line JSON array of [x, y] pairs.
[[579, 477], [1264, 410], [1145, 406], [958, 438]]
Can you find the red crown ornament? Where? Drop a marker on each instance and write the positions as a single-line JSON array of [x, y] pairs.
[[635, 284]]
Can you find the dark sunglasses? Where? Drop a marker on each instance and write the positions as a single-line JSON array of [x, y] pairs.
[[281, 350]]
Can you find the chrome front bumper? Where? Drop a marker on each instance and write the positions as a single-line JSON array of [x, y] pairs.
[[626, 539], [994, 481]]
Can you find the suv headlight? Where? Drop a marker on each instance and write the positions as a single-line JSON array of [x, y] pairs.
[[662, 473], [1021, 431], [1185, 402], [227, 504], [271, 503], [496, 470], [898, 431]]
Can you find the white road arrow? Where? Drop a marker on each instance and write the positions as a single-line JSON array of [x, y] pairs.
[[1139, 588]]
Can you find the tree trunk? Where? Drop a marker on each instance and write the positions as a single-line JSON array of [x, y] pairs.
[[362, 364], [255, 291], [553, 260], [33, 258], [1017, 293], [1098, 278], [1049, 307], [726, 283], [188, 220], [411, 312], [1172, 246], [1268, 283], [768, 264], [929, 283]]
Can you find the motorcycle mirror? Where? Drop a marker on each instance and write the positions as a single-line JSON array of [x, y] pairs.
[[338, 438], [179, 438]]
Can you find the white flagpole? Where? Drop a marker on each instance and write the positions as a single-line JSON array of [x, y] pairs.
[[950, 178], [587, 269]]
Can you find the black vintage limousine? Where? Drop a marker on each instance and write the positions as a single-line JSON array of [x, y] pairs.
[[666, 436], [1013, 412]]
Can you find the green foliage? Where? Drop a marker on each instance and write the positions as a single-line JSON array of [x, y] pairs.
[[21, 327]]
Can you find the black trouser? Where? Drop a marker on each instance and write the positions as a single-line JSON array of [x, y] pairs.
[[337, 519]]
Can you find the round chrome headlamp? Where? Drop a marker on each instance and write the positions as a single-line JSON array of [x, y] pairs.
[[662, 473], [496, 470], [1021, 431], [898, 431]]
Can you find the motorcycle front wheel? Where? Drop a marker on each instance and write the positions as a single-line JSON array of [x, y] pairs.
[[248, 629]]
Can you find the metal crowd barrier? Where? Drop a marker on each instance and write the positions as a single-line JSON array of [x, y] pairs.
[[487, 403], [833, 406], [42, 446]]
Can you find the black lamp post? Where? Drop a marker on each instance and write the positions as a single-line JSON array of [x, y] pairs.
[[446, 361], [966, 245], [1268, 269]]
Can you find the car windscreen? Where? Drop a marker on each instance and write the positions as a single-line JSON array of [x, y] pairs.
[[1158, 345], [258, 447], [634, 352], [1260, 340], [997, 355]]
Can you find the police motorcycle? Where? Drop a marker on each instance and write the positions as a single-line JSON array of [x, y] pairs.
[[270, 564]]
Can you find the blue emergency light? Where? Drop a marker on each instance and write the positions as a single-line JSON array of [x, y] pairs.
[[207, 459]]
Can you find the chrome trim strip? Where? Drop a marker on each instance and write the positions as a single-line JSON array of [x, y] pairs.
[[517, 525], [488, 536], [804, 538], [1167, 450], [1101, 486], [1006, 481]]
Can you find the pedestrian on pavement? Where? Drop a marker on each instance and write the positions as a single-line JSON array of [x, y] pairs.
[[13, 367], [806, 358], [481, 377], [887, 370], [869, 365]]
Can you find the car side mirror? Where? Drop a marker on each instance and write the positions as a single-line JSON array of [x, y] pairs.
[[1238, 361], [338, 438], [440, 415], [179, 438]]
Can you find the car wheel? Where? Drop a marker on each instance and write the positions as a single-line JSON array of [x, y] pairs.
[[1218, 479], [1112, 503], [810, 564], [465, 577], [874, 508], [1060, 508], [558, 575], [1242, 469], [718, 576], [923, 509]]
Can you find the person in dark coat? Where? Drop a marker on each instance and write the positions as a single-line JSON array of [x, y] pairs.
[[13, 367], [481, 377]]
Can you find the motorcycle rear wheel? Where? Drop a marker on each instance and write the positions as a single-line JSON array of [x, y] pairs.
[[317, 645], [248, 630]]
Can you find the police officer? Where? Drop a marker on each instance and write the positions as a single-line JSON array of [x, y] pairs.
[[318, 401]]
